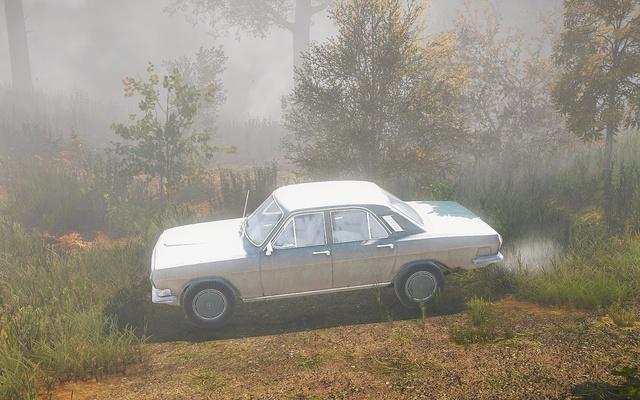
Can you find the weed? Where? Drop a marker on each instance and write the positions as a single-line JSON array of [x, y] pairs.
[[206, 379], [622, 316], [480, 326], [313, 361]]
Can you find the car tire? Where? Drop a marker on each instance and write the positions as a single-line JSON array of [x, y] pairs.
[[419, 284], [209, 304]]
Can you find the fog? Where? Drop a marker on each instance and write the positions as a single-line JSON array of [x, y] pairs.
[[85, 47]]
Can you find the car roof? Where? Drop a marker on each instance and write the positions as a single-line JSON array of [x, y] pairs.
[[311, 195]]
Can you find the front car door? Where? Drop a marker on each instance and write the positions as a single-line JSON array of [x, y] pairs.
[[301, 258], [362, 251]]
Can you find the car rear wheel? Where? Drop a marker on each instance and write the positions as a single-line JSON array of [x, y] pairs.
[[419, 284], [209, 305]]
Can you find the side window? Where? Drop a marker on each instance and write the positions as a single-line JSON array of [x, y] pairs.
[[355, 226], [302, 231], [286, 238], [376, 229]]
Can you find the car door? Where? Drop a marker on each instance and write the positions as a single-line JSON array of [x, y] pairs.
[[300, 260], [361, 249]]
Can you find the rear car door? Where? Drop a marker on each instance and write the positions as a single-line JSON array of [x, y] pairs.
[[301, 257], [362, 250]]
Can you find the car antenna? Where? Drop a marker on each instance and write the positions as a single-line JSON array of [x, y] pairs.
[[246, 201]]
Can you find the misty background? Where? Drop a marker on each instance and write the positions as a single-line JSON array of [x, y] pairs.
[[83, 48]]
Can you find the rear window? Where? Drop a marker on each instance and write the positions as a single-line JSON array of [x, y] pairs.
[[404, 209]]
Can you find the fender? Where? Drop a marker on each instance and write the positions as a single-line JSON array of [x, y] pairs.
[[410, 264], [213, 279]]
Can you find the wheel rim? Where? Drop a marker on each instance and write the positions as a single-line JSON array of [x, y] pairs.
[[421, 286], [209, 304]]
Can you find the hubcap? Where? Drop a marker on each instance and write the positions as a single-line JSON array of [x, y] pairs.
[[421, 286], [209, 304]]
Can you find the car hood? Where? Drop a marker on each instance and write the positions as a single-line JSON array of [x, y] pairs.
[[199, 243], [448, 218]]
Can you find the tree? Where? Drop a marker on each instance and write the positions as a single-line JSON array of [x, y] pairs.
[[259, 16], [204, 70], [159, 143], [506, 101], [18, 47], [377, 99], [599, 54]]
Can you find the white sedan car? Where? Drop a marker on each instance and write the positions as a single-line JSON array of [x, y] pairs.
[[316, 238]]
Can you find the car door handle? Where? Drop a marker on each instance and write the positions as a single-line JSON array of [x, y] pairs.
[[325, 252], [382, 246]]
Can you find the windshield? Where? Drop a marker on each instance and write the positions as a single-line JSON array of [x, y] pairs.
[[262, 221], [404, 209]]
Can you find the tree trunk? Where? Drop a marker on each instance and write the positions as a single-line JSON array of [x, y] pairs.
[[18, 47], [608, 149], [301, 30]]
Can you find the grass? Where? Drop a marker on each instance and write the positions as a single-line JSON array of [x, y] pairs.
[[622, 316], [53, 326], [480, 326], [592, 278]]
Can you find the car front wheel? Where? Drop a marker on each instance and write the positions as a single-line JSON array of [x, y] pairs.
[[209, 305], [419, 284]]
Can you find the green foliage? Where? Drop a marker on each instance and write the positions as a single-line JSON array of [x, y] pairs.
[[74, 190], [506, 101], [159, 143], [374, 101], [480, 326], [591, 277], [599, 55], [52, 325], [259, 181], [491, 283]]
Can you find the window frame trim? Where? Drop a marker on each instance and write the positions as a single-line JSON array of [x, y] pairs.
[[368, 213], [275, 226], [291, 219]]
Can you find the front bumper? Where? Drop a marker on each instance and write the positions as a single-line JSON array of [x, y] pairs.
[[486, 260], [156, 298]]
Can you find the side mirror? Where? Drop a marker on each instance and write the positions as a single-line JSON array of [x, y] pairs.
[[269, 249]]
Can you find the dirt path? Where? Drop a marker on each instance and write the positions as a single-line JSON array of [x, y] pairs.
[[552, 350]]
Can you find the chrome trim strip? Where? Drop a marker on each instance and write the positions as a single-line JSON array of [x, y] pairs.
[[485, 260], [313, 292], [282, 217]]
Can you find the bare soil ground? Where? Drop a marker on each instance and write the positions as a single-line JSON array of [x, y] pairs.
[[362, 346]]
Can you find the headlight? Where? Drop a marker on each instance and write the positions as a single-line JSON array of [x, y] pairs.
[[164, 292], [500, 241]]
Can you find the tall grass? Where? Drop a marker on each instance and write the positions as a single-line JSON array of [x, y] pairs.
[[606, 273], [52, 321], [546, 193]]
